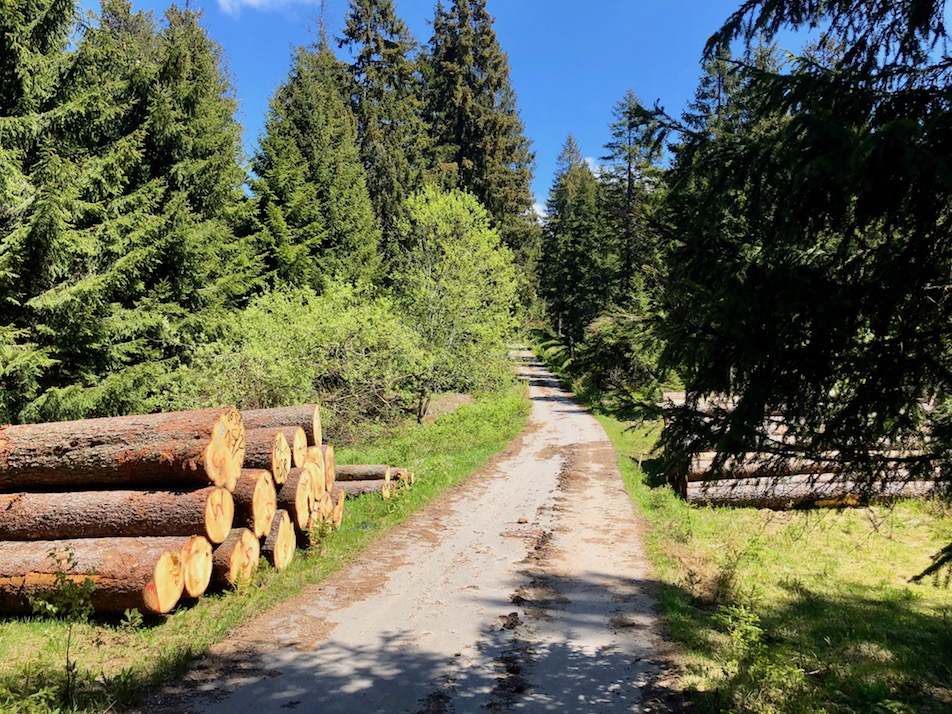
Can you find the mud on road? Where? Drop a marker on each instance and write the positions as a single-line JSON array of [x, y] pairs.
[[525, 589]]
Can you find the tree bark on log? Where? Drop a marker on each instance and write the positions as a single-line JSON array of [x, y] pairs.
[[802, 491], [296, 497], [112, 514], [158, 450], [361, 488], [236, 559], [279, 546], [306, 416], [362, 472], [255, 501], [144, 574], [196, 565], [268, 449]]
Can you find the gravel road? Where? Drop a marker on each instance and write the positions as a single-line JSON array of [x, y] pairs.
[[525, 589]]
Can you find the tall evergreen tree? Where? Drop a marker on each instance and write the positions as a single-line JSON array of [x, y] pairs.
[[811, 273], [386, 101], [480, 142], [633, 184], [578, 260], [131, 257], [316, 215]]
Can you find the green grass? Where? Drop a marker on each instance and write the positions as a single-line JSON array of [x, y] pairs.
[[795, 612], [117, 660]]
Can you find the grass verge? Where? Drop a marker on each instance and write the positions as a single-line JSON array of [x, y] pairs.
[[796, 612], [117, 660]]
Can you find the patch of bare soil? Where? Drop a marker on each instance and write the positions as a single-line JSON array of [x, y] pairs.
[[443, 404]]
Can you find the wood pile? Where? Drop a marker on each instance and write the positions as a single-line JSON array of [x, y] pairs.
[[768, 481], [156, 508], [361, 479]]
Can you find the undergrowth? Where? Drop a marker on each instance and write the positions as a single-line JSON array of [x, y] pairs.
[[795, 612], [112, 661]]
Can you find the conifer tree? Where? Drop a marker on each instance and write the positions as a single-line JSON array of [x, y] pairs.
[[480, 142], [578, 259], [386, 101], [313, 205]]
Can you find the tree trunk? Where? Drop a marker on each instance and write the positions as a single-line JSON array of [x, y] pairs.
[[110, 514], [306, 416], [295, 497], [255, 501], [362, 472], [158, 450], [752, 466], [360, 488], [196, 565], [268, 449], [279, 546], [144, 574], [236, 559], [802, 491]]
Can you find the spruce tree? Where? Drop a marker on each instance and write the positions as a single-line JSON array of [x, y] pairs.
[[810, 276], [311, 188], [386, 102], [480, 145], [578, 259]]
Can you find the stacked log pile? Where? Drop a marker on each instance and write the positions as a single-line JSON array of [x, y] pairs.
[[160, 507], [361, 479], [768, 481]]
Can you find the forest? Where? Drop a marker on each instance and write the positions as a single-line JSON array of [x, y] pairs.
[[369, 258]]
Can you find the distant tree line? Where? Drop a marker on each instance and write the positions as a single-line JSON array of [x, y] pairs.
[[143, 268], [785, 242]]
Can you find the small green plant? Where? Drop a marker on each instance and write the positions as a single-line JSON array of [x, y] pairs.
[[70, 600]]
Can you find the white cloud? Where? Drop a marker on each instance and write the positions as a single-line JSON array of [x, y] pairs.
[[539, 209], [593, 165], [233, 7]]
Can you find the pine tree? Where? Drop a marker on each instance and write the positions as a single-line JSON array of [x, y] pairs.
[[386, 102], [578, 259], [480, 145], [311, 189]]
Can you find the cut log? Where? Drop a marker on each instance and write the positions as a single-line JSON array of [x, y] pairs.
[[306, 416], [315, 459], [255, 501], [338, 497], [330, 467], [752, 466], [317, 480], [361, 488], [802, 491], [144, 574], [362, 472], [236, 559], [279, 546], [196, 565], [402, 475], [157, 450], [296, 497], [108, 514], [268, 449]]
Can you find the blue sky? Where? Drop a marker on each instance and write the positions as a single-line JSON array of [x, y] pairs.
[[571, 60]]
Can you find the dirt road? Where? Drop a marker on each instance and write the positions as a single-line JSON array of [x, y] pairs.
[[523, 590]]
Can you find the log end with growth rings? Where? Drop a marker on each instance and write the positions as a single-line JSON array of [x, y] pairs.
[[219, 514], [165, 589], [197, 565], [281, 542], [225, 452]]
